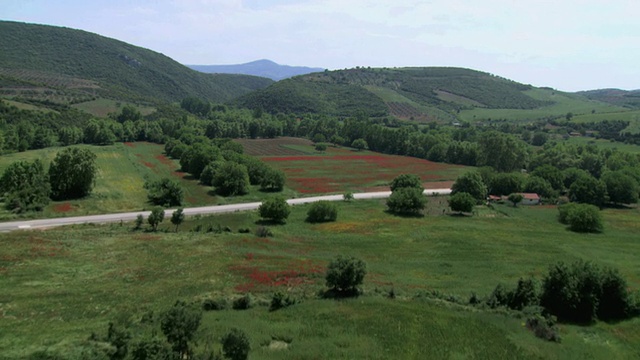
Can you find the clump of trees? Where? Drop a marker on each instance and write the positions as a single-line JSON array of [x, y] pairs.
[[25, 186], [470, 183], [406, 195], [72, 173]]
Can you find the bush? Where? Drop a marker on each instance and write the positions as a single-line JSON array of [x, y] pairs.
[[526, 294], [563, 212], [279, 301], [164, 192], [275, 209], [322, 211], [584, 218], [406, 201], [243, 303], [462, 202], [543, 327], [263, 232], [215, 304], [583, 292], [344, 274], [499, 297], [236, 345], [406, 181], [471, 183]]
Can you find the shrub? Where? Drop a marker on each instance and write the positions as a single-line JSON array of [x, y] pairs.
[[139, 221], [321, 147], [525, 294], [543, 327], [348, 196], [344, 274], [279, 301], [236, 345], [499, 297], [563, 212], [584, 218], [243, 303], [462, 202], [263, 232], [215, 304], [406, 181], [275, 209], [322, 211], [406, 201]]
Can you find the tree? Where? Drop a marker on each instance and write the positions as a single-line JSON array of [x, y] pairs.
[[505, 183], [231, 179], [584, 218], [139, 221], [570, 175], [540, 186], [406, 181], [273, 180], [156, 217], [501, 151], [470, 183], [209, 172], [72, 173], [348, 196], [621, 188], [236, 345], [515, 199], [406, 201], [25, 186], [177, 217], [276, 209], [552, 174], [321, 147], [588, 190], [179, 324], [165, 192], [151, 349], [345, 274], [462, 202], [359, 144], [539, 138], [322, 211]]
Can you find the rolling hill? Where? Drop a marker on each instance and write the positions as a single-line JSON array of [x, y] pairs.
[[77, 66], [630, 99], [421, 94], [262, 68]]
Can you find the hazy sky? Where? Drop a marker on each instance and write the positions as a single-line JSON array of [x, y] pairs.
[[566, 44]]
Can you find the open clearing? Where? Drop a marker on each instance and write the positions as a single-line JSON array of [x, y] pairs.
[[60, 285]]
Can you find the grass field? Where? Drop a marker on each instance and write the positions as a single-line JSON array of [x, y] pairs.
[[102, 107], [340, 169], [564, 103], [58, 286], [603, 144]]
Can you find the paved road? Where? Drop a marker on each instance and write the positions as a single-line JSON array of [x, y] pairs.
[[216, 209]]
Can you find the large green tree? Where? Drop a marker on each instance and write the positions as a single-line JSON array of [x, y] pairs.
[[72, 173], [275, 209], [165, 192], [179, 324], [345, 274], [472, 184], [462, 202], [501, 151], [406, 181], [231, 179], [25, 186], [588, 190], [621, 188], [407, 200]]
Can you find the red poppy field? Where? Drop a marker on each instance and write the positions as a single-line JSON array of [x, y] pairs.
[[343, 169]]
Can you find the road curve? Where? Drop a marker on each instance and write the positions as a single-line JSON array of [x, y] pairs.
[[215, 209]]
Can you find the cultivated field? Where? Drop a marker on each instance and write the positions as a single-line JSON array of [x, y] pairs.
[[59, 286], [343, 169]]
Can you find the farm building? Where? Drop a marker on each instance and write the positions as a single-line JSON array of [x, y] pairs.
[[530, 199]]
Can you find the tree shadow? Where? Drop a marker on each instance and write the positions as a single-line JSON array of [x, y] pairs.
[[460, 214], [411, 215], [269, 190], [618, 206], [269, 222], [337, 294]]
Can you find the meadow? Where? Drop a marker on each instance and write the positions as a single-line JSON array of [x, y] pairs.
[[339, 169], [60, 285]]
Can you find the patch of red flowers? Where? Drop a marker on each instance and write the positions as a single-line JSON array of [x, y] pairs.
[[62, 208], [296, 274], [149, 165], [132, 145], [164, 160]]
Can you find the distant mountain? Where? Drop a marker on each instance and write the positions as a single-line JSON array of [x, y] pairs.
[[47, 59], [630, 99], [263, 68], [418, 92]]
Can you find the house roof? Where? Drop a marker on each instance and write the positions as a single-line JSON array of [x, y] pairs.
[[530, 196]]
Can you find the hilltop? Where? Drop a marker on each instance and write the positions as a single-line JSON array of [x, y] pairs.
[[417, 93], [263, 68], [630, 99], [79, 66]]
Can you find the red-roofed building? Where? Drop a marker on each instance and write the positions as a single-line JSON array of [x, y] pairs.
[[530, 199]]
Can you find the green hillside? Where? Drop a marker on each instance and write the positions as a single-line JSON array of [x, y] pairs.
[[421, 94], [630, 99], [71, 66]]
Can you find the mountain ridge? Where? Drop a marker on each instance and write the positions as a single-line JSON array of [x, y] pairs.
[[263, 68]]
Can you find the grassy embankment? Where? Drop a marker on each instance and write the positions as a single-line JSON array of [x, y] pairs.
[[60, 285]]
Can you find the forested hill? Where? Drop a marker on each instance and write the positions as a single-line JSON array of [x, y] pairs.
[[40, 56], [403, 92], [629, 99]]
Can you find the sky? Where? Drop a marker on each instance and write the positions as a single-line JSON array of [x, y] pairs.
[[568, 45]]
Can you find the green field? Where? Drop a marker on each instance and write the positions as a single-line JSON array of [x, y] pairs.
[[603, 144], [564, 103], [103, 107], [58, 286]]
